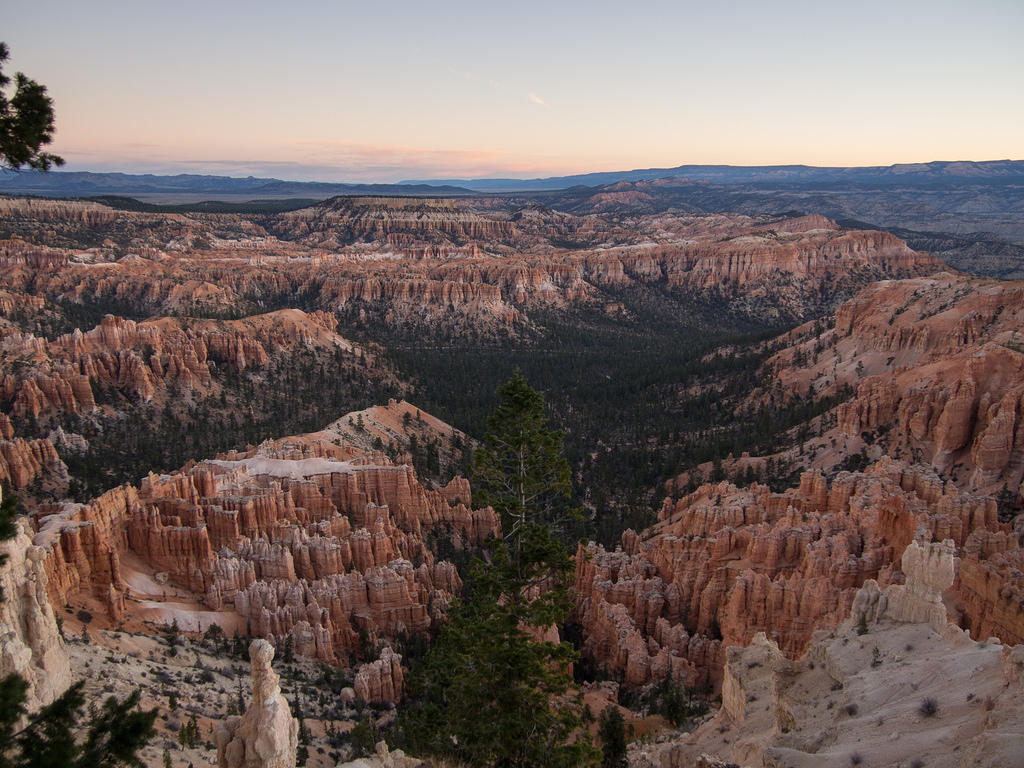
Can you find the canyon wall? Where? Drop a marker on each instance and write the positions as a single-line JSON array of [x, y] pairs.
[[937, 373], [487, 262], [30, 642]]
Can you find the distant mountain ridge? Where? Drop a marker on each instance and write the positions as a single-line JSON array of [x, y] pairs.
[[960, 171], [87, 183]]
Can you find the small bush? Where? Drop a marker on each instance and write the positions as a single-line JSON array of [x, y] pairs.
[[928, 707], [851, 709], [856, 759]]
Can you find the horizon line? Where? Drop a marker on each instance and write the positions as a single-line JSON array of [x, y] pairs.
[[507, 177]]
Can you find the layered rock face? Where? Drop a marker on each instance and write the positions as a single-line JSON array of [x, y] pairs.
[[30, 643], [141, 360], [937, 369], [725, 563], [22, 461], [304, 536], [481, 264], [876, 697], [399, 221], [266, 736]]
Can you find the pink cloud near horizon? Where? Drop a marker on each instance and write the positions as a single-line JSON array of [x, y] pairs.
[[331, 161]]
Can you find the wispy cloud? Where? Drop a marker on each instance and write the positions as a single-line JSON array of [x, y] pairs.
[[535, 98], [473, 77]]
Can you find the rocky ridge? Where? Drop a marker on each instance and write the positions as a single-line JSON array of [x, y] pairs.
[[937, 373], [142, 359], [56, 396], [443, 261]]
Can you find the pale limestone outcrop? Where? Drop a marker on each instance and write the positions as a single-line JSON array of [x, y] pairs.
[[267, 735], [381, 681], [383, 758], [930, 570], [30, 643], [860, 697]]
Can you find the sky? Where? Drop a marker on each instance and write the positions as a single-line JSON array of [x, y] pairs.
[[386, 91]]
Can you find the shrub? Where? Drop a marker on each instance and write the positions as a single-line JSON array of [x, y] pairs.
[[928, 707]]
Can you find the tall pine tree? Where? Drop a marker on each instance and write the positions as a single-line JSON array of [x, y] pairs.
[[494, 688]]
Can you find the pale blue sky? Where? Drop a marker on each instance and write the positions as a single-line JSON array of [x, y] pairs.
[[355, 90]]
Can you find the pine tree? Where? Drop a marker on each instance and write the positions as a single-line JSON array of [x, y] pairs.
[[491, 691], [26, 122], [521, 471], [612, 732]]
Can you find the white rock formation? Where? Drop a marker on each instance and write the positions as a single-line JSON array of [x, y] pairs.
[[930, 569], [266, 736], [30, 644], [913, 689], [383, 759]]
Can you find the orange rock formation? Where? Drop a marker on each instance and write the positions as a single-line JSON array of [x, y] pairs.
[[142, 359], [300, 536], [725, 563], [938, 372]]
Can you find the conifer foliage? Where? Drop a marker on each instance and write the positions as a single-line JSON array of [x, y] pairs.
[[26, 122], [494, 690]]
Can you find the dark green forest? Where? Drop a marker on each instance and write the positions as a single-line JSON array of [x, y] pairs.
[[641, 395]]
